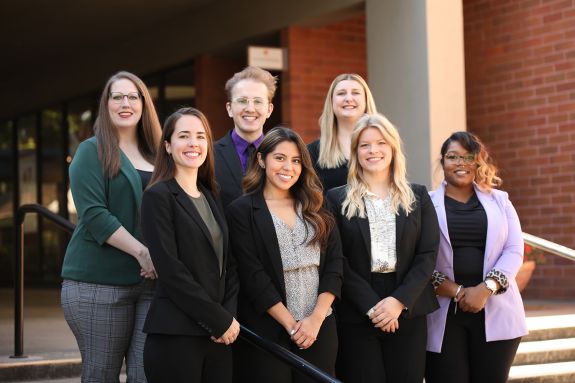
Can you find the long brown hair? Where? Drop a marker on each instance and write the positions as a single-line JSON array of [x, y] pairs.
[[486, 176], [307, 191], [165, 168], [148, 131]]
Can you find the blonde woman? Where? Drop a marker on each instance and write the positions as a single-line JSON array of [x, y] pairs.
[[389, 236], [348, 98]]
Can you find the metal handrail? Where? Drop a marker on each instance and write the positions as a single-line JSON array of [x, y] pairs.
[[279, 352], [549, 247]]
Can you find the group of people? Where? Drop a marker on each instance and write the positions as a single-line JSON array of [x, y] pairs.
[[327, 249]]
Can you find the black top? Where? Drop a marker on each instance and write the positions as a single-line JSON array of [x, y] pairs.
[[330, 178], [467, 225], [145, 176]]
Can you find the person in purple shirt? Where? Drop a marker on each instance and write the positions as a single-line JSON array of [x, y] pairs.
[[250, 93], [474, 335]]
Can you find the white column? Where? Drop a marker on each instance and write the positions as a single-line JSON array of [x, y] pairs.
[[416, 72]]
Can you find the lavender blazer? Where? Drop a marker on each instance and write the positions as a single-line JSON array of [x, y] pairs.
[[504, 313]]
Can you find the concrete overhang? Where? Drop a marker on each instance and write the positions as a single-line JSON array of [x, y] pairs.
[[55, 50]]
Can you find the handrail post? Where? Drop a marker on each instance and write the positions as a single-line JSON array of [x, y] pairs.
[[19, 287]]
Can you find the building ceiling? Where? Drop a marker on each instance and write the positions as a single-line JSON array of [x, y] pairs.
[[58, 49]]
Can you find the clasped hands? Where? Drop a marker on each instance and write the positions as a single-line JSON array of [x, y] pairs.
[[304, 332], [230, 335], [473, 299], [384, 315]]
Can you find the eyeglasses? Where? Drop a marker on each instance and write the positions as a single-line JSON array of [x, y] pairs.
[[259, 103], [118, 97], [468, 159]]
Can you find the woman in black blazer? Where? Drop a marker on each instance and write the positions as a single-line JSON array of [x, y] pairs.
[[289, 261], [389, 237], [190, 324]]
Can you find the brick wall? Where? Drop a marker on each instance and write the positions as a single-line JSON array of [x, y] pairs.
[[520, 80], [316, 56]]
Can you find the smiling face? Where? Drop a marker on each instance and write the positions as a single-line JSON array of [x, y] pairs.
[[374, 154], [249, 107], [126, 113], [188, 144], [283, 167], [348, 100], [458, 172]]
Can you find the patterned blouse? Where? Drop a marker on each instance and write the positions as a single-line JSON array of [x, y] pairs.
[[300, 264], [382, 232]]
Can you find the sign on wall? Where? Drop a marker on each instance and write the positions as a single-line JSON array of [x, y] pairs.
[[269, 58]]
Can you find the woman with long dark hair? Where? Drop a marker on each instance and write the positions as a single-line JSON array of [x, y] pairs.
[[107, 270], [289, 261], [191, 321], [474, 336]]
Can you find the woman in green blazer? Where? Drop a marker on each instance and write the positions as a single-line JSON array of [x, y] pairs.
[[107, 270]]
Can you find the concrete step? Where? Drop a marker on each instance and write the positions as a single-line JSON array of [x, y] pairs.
[[545, 351], [550, 327], [563, 372], [39, 368]]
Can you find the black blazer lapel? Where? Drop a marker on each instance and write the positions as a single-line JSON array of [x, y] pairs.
[[265, 225], [184, 201], [399, 225], [231, 159], [363, 224]]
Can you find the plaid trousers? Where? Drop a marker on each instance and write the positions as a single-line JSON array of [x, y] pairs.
[[107, 322]]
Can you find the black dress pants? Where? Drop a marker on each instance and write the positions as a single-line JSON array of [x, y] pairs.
[[189, 359], [367, 354], [466, 357], [251, 364]]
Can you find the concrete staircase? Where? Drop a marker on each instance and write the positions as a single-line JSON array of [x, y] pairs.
[[547, 354]]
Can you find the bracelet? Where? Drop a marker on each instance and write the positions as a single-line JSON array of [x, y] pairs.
[[457, 293], [455, 298]]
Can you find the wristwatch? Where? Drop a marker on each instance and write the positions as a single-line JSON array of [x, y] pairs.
[[491, 285]]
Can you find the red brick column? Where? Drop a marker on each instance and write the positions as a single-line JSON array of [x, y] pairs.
[[520, 79], [315, 57]]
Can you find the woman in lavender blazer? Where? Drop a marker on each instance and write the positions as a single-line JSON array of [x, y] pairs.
[[474, 335]]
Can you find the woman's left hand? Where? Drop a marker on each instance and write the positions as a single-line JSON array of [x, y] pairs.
[[474, 298], [306, 331]]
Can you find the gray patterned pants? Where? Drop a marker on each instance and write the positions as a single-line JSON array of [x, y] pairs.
[[107, 322]]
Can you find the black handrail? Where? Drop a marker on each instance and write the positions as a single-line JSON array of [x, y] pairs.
[[279, 352]]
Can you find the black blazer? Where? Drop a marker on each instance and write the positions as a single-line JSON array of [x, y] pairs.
[[417, 241], [229, 172], [191, 297], [256, 248]]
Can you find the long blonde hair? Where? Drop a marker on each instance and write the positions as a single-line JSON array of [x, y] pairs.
[[330, 154], [402, 196]]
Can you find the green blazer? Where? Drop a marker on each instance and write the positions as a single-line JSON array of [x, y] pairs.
[[103, 205]]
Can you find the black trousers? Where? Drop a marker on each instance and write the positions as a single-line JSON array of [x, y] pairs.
[[466, 357], [367, 354], [190, 359], [254, 365]]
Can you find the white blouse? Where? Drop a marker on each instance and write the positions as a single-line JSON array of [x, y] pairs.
[[382, 231]]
